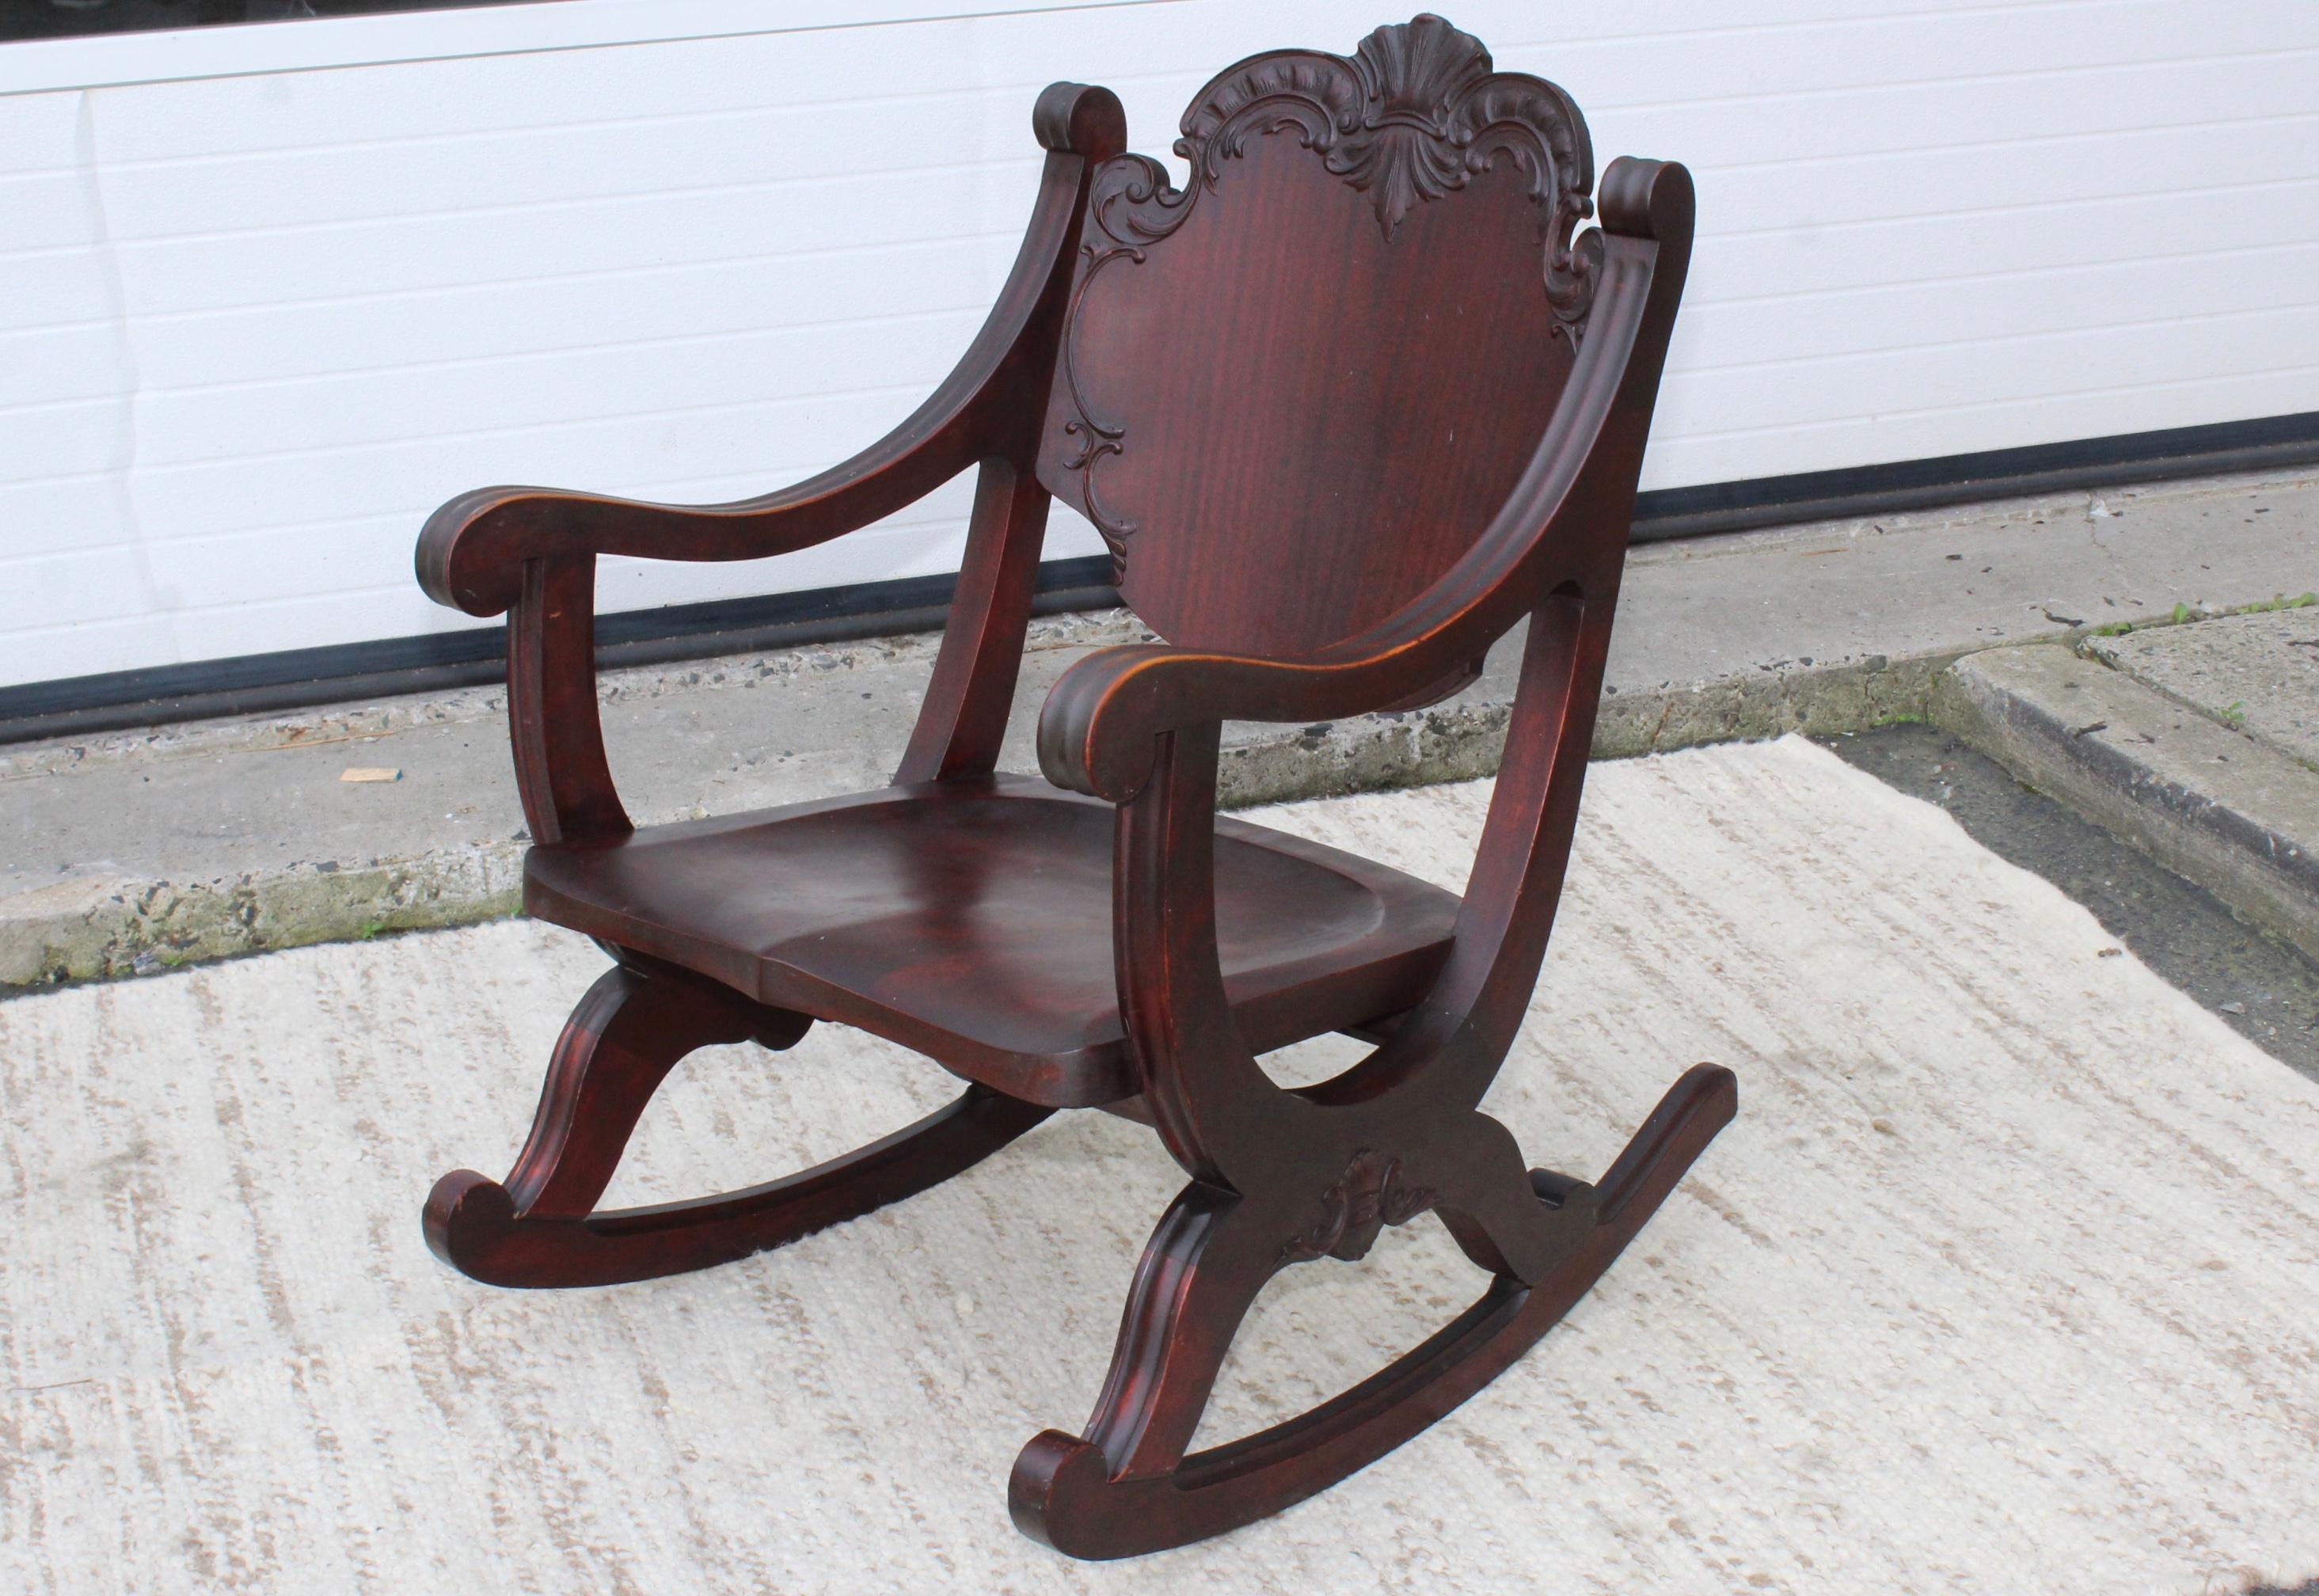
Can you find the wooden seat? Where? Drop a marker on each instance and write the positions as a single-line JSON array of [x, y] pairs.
[[972, 921], [1348, 406]]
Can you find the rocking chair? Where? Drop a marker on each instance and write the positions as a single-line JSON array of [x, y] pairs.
[[1345, 408]]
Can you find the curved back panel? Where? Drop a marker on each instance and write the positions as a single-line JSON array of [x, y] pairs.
[[1294, 392]]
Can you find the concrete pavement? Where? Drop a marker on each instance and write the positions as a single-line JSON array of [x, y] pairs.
[[2199, 744], [2259, 986]]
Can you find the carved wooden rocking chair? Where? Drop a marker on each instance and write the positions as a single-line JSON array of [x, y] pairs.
[[1346, 408]]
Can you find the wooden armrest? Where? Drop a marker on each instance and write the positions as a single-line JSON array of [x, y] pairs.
[[561, 773], [1098, 732], [1564, 525], [472, 551], [532, 551]]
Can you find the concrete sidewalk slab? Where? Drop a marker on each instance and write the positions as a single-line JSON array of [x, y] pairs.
[[2263, 988], [2234, 813], [131, 853], [2256, 674]]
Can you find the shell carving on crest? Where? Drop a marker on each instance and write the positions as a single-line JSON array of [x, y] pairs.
[[1410, 117]]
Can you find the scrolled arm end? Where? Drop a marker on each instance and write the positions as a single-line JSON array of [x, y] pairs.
[[1098, 731], [1646, 199], [1080, 119], [470, 552]]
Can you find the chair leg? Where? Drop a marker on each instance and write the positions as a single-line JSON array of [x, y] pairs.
[[538, 1228], [1127, 1487]]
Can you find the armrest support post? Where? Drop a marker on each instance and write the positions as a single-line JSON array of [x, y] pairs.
[[560, 767], [1515, 885], [1209, 1097], [963, 719]]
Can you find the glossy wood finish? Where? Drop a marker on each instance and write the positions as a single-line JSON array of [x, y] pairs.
[[1127, 1487], [541, 1227], [1435, 354], [473, 552], [1347, 408], [558, 738], [972, 920], [964, 717]]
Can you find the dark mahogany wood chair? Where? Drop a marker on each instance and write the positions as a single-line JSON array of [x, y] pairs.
[[1347, 407]]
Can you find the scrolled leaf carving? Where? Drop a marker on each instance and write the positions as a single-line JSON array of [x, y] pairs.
[[1369, 1195], [1410, 117]]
